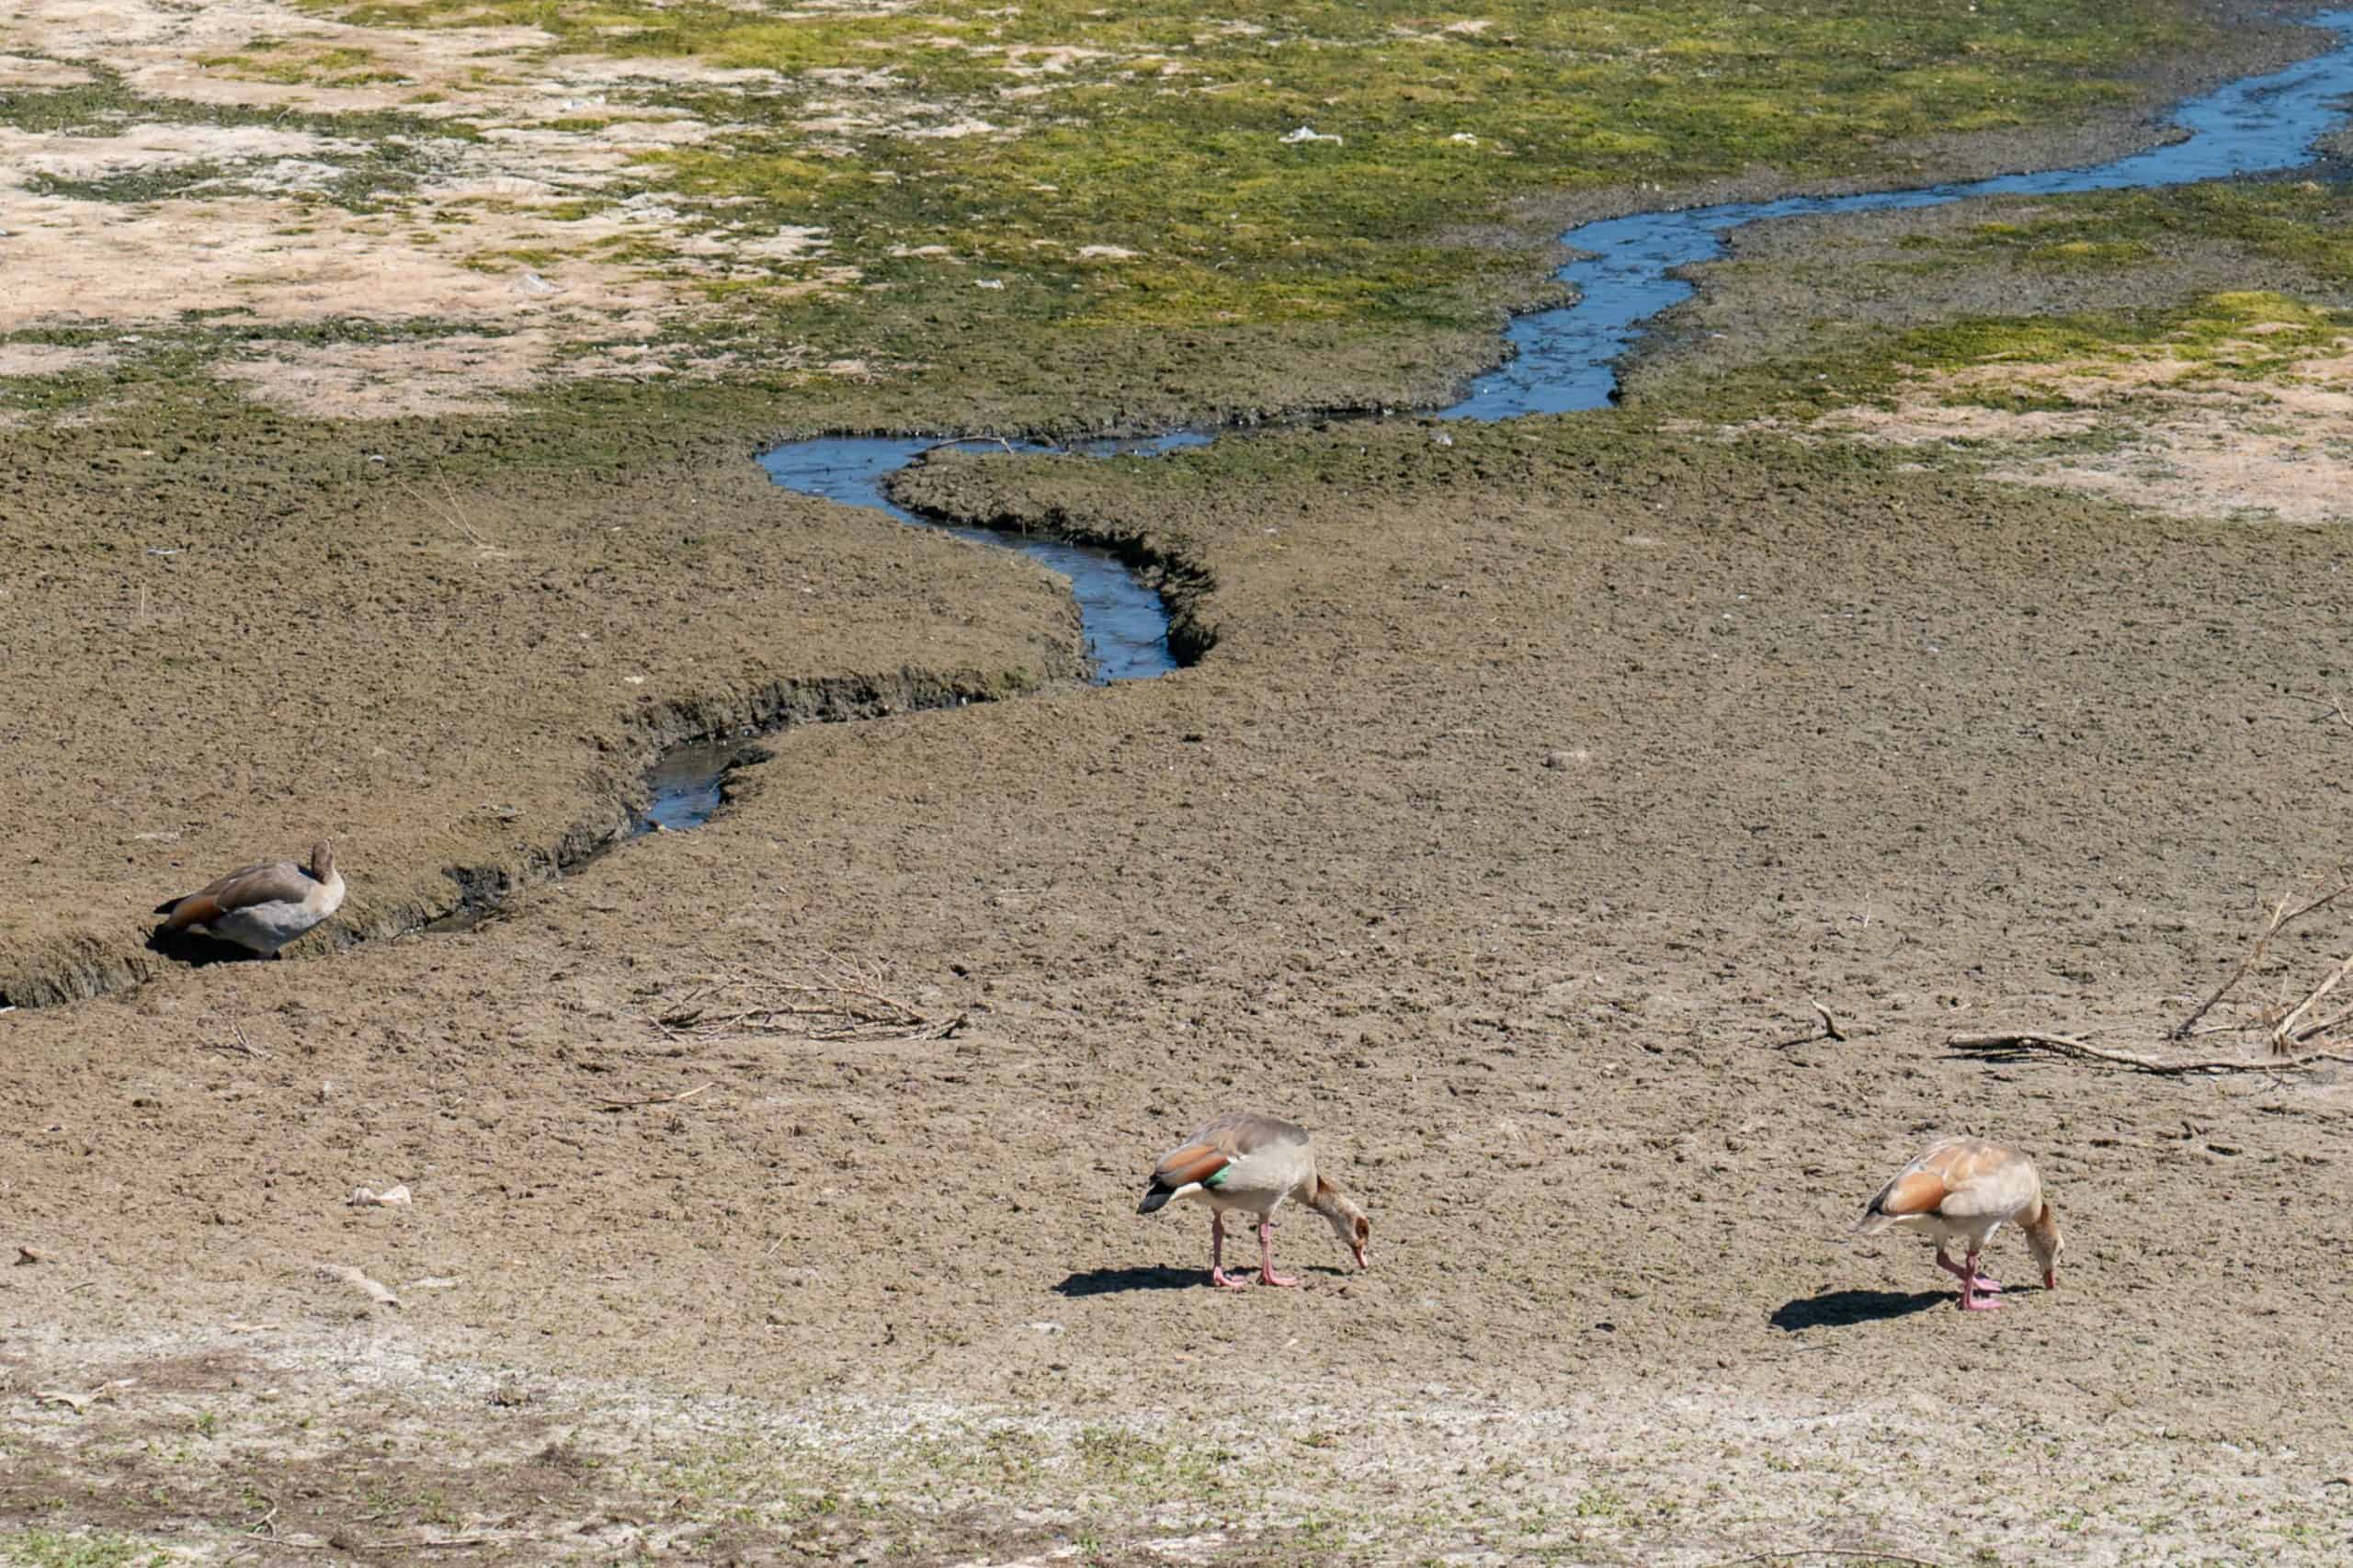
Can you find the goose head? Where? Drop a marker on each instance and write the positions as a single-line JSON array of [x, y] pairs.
[[2043, 1240], [1348, 1222]]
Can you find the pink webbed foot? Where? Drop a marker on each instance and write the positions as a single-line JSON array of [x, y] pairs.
[[1971, 1282], [1224, 1281], [1269, 1276]]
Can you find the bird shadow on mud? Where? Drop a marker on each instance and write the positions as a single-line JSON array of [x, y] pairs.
[[1111, 1281], [1845, 1309], [196, 950]]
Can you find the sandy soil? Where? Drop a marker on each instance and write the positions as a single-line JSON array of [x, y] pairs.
[[2188, 436], [447, 679], [1536, 785]]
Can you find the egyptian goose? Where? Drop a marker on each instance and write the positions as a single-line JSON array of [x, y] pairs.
[[1964, 1189], [263, 907], [1255, 1164]]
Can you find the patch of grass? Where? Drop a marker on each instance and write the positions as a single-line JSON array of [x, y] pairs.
[[2302, 223], [264, 60], [49, 1549], [1158, 129], [132, 185], [2237, 338], [102, 107]]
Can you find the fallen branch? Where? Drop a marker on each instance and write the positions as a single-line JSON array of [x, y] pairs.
[[657, 1100], [2019, 1044], [2283, 915]]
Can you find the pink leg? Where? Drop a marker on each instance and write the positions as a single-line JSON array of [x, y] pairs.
[[1949, 1267], [1217, 1276], [1970, 1301], [1266, 1275]]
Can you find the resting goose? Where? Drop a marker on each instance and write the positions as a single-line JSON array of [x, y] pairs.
[[261, 908], [1964, 1189], [1255, 1163]]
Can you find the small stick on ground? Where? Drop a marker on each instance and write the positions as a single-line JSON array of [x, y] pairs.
[[451, 515], [241, 1045], [849, 1008], [1803, 1552], [2283, 915], [2284, 1036], [2026, 1040], [1829, 1029], [657, 1100], [376, 1291]]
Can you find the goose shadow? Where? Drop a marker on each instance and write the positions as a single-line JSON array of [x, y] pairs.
[[1845, 1309], [1113, 1281], [197, 950]]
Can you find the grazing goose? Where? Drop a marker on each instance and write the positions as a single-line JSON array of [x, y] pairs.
[[1964, 1189], [1255, 1163], [262, 907]]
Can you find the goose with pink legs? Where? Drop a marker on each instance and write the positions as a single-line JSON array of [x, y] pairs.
[[1963, 1190], [1249, 1164]]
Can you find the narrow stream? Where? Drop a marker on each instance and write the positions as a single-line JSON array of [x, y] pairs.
[[1563, 359]]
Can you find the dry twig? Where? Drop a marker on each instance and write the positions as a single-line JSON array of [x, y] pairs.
[[376, 1291], [2283, 915], [2283, 1034], [240, 1046], [2026, 1041], [657, 1100], [1829, 1029], [1805, 1552], [848, 1008]]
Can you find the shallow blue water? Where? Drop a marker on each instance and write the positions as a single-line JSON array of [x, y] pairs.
[[1126, 624], [1565, 359]]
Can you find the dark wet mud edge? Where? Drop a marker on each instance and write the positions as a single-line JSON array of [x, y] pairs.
[[1185, 587], [1184, 583], [83, 966]]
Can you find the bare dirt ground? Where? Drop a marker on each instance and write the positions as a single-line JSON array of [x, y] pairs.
[[1536, 785], [2191, 442], [438, 678], [1539, 782]]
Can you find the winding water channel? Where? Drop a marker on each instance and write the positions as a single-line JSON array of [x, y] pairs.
[[1565, 359]]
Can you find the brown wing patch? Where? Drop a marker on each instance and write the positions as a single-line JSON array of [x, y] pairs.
[[1193, 1163], [194, 910], [1915, 1192]]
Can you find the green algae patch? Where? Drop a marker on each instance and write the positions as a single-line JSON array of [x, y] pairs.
[[2305, 223], [1059, 170]]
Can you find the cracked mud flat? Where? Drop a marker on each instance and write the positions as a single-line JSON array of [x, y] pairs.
[[1935, 753], [1537, 783], [440, 676]]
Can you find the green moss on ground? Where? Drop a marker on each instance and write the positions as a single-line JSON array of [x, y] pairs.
[[1062, 170], [2292, 241]]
